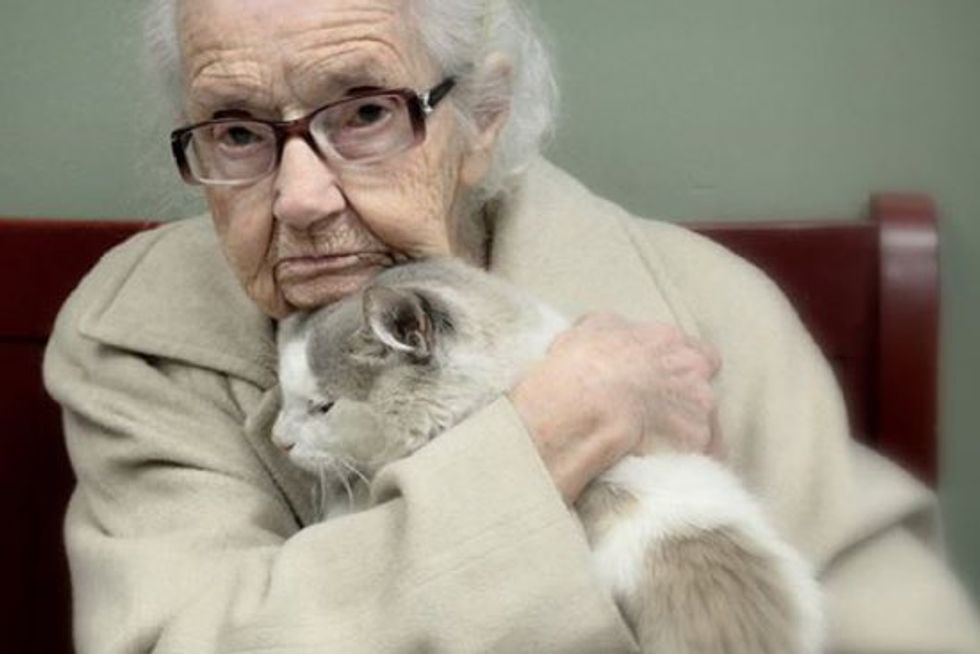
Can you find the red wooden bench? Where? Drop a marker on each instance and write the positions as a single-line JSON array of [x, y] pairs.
[[867, 289]]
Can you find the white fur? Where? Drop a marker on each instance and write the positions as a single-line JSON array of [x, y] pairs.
[[295, 376], [298, 387], [550, 324], [680, 495]]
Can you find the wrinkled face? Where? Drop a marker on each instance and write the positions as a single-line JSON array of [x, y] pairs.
[[314, 231]]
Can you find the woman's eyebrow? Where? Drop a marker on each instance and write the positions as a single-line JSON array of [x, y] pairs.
[[219, 96], [326, 80], [209, 94], [232, 113], [215, 104], [213, 108], [356, 90]]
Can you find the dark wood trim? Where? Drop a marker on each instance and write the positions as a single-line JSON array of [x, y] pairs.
[[908, 340]]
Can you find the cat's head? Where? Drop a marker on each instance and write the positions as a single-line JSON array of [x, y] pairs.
[[374, 377]]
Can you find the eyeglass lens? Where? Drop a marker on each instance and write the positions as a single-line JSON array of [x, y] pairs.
[[360, 130]]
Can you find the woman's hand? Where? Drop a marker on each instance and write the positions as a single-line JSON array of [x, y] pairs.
[[609, 387]]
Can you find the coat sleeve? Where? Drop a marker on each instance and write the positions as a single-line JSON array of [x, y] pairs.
[[869, 529], [180, 541]]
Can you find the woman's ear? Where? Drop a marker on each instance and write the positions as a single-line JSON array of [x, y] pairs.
[[490, 116]]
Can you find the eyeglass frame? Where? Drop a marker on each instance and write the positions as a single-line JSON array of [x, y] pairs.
[[419, 106]]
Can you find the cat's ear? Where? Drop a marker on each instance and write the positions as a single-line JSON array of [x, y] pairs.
[[399, 320]]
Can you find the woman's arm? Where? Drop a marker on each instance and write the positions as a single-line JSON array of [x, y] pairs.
[[180, 541]]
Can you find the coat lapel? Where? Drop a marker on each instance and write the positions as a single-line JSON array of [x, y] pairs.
[[180, 300]]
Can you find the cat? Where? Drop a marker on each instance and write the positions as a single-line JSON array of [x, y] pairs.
[[686, 553]]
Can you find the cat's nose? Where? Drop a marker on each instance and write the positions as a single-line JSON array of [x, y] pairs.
[[282, 443], [278, 436]]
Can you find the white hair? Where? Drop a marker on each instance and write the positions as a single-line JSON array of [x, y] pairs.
[[459, 36]]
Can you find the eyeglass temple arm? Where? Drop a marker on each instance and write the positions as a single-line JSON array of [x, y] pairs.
[[435, 95]]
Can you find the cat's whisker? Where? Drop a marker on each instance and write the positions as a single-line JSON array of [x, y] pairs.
[[344, 480], [323, 490], [355, 470]]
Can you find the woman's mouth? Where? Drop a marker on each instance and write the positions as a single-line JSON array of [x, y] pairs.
[[299, 269], [311, 281]]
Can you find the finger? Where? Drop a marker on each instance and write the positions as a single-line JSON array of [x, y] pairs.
[[688, 361], [710, 353]]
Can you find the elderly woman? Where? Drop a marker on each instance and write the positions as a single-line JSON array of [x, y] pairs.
[[334, 138]]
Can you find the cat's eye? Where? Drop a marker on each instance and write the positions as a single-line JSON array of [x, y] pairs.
[[319, 407]]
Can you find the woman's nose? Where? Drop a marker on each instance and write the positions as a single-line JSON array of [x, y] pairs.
[[306, 189]]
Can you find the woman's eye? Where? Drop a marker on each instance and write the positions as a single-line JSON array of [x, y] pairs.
[[368, 114], [238, 136]]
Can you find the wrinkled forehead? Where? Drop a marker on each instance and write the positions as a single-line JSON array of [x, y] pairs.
[[306, 49]]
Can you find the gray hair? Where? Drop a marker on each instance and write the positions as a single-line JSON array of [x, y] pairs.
[[459, 35]]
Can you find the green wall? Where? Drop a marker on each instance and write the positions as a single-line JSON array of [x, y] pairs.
[[681, 108]]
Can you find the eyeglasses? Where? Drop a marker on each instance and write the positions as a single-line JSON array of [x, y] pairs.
[[362, 129]]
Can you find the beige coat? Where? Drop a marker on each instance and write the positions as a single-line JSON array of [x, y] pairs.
[[189, 533]]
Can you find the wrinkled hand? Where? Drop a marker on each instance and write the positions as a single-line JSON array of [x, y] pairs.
[[610, 387]]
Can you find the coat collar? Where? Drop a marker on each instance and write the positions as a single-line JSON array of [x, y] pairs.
[[177, 298]]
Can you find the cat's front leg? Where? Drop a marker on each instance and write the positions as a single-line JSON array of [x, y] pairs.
[[693, 565]]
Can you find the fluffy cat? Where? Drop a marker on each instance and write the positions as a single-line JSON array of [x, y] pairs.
[[685, 551]]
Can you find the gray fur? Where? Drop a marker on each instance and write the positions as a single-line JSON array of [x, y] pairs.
[[389, 399]]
